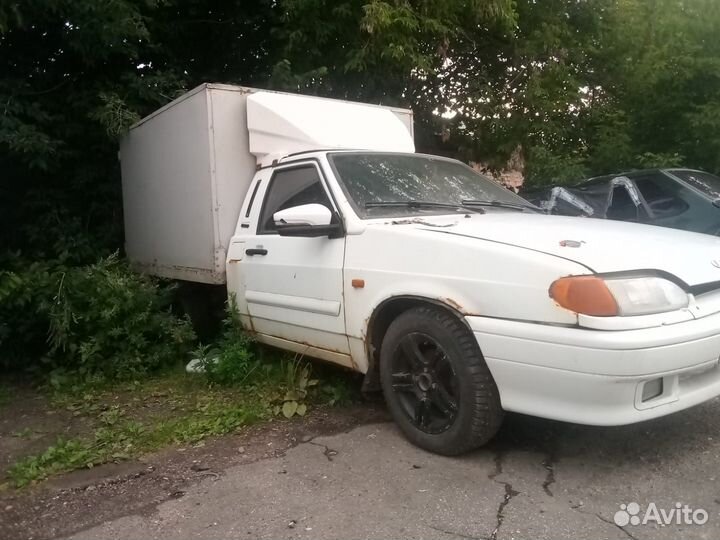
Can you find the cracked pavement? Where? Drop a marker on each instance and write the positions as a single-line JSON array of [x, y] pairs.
[[538, 479]]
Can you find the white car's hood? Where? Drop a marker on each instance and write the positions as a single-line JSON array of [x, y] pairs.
[[600, 245]]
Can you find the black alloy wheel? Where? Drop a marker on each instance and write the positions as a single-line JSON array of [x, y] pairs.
[[425, 383], [436, 383]]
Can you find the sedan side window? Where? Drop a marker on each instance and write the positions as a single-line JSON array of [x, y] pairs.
[[665, 197], [288, 188], [676, 205], [623, 208]]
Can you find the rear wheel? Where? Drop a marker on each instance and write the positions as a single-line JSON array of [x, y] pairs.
[[436, 383], [205, 306]]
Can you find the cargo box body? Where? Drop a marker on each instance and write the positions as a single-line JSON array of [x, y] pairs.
[[187, 167], [185, 172]]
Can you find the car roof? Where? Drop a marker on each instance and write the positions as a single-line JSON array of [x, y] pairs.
[[640, 172]]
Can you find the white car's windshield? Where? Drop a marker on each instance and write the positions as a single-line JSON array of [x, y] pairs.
[[390, 185]]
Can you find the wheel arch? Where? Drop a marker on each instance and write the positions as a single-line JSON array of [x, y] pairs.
[[380, 319]]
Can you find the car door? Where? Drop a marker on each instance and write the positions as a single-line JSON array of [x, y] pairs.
[[294, 285]]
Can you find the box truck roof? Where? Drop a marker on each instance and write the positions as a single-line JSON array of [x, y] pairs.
[[281, 124]]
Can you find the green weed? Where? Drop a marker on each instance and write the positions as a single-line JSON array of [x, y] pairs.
[[25, 433], [119, 438], [242, 384]]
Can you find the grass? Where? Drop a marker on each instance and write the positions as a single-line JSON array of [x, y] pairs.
[[131, 419], [25, 433], [128, 438]]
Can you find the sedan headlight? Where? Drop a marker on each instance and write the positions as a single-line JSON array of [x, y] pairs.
[[618, 296]]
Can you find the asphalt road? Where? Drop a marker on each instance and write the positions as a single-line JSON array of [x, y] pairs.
[[538, 480]]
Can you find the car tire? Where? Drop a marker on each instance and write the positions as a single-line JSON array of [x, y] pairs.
[[436, 383]]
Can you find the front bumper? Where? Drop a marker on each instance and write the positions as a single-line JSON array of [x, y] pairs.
[[597, 377]]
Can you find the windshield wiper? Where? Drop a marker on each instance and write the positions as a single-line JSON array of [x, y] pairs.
[[420, 204], [499, 204]]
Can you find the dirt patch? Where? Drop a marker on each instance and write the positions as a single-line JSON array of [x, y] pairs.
[[31, 421], [84, 498], [29, 424]]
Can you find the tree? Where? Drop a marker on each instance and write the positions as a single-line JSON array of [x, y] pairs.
[[658, 65], [484, 78], [380, 52], [573, 87], [76, 75], [577, 87]]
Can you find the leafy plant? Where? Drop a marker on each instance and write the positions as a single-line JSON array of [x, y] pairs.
[[107, 320], [213, 419], [298, 384], [96, 321], [63, 455], [338, 391], [230, 363], [24, 293], [232, 360], [236, 361]]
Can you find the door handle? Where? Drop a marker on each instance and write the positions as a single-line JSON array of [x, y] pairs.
[[255, 251]]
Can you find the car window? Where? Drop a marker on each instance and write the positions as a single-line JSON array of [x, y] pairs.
[[705, 182], [623, 207], [676, 205], [372, 178], [288, 188], [665, 197]]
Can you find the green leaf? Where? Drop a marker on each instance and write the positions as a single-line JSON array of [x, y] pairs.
[[289, 408]]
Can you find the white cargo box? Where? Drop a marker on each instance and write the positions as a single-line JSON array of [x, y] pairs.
[[187, 167]]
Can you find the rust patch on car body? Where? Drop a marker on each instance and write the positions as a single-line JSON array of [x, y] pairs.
[[458, 307], [453, 303]]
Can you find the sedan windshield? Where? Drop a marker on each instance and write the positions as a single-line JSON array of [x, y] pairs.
[[391, 185], [708, 183]]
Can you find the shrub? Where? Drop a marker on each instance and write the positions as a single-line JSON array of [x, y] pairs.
[[23, 314], [110, 321], [94, 321], [232, 360]]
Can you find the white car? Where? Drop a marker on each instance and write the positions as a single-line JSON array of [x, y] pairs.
[[469, 303], [460, 298]]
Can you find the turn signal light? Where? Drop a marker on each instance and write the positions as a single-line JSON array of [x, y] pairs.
[[584, 294]]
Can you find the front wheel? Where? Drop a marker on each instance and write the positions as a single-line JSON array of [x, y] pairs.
[[436, 383]]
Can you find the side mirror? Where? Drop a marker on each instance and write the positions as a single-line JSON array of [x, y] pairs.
[[308, 220]]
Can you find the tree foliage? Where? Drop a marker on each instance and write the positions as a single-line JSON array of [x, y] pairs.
[[99, 320], [573, 87], [659, 68], [579, 87], [76, 75]]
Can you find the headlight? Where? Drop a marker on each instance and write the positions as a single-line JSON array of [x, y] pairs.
[[610, 296]]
